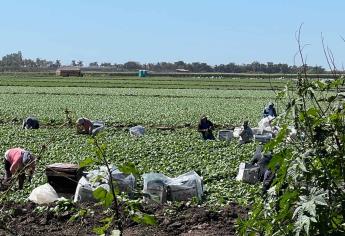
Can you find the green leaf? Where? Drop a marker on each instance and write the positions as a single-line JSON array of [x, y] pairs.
[[313, 112], [100, 193], [129, 168], [145, 219], [108, 199], [280, 137], [87, 162]]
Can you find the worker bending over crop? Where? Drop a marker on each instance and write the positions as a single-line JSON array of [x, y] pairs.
[[269, 111], [246, 135], [17, 161], [31, 123], [86, 126], [205, 127]]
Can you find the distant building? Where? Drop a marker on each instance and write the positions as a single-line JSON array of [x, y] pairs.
[[182, 70], [68, 71]]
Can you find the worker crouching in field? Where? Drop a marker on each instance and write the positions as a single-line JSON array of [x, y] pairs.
[[246, 136], [269, 111], [31, 123], [86, 126], [205, 127], [17, 161]]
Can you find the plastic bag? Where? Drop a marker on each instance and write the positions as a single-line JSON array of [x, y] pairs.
[[137, 131], [181, 188], [125, 182], [43, 194], [263, 138], [98, 126], [100, 178], [225, 135], [265, 122], [84, 191], [237, 132], [248, 173]]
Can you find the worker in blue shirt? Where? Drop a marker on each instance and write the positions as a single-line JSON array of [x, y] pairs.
[[270, 110]]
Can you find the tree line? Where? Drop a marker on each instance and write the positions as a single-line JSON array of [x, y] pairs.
[[16, 62]]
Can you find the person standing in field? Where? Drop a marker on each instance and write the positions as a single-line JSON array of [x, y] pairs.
[[31, 123], [270, 111], [205, 127], [17, 161], [246, 135]]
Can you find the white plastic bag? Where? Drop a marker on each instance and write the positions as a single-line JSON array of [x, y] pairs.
[[137, 131], [84, 191], [181, 188], [265, 122], [43, 194], [248, 173], [237, 132], [98, 126], [100, 178]]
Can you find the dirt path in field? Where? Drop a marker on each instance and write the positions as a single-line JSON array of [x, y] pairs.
[[23, 220]]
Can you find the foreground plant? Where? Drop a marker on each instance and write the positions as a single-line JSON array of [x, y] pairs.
[[113, 198], [308, 197]]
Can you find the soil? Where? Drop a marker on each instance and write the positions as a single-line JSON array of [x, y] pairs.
[[183, 220]]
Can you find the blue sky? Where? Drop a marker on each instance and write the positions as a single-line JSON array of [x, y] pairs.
[[211, 31]]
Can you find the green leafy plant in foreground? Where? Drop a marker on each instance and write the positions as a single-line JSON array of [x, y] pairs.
[[308, 195], [113, 197]]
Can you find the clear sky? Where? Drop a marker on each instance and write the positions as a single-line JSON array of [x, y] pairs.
[[211, 31]]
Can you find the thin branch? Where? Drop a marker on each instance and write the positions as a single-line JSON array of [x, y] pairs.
[[116, 204]]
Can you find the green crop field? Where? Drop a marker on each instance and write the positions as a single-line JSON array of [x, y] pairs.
[[153, 102]]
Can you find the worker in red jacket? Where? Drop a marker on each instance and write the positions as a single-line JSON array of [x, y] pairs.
[[17, 161]]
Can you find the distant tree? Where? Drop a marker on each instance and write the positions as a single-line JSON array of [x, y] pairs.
[[105, 64], [93, 64], [132, 65], [80, 63], [180, 65], [29, 63], [14, 60], [73, 63], [57, 64]]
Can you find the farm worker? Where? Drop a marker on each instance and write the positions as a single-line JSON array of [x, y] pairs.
[[86, 126], [18, 160], [269, 176], [246, 135], [31, 123], [205, 127], [257, 155], [270, 110], [262, 160]]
